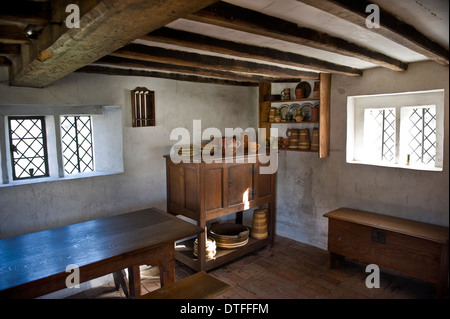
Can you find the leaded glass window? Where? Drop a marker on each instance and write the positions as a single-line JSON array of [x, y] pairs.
[[380, 134], [28, 144], [421, 134], [76, 135]]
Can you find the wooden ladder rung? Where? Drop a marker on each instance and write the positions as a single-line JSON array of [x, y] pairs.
[[197, 286]]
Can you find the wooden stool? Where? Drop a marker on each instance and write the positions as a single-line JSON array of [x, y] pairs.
[[197, 286]]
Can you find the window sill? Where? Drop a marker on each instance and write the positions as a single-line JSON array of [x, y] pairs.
[[412, 167], [54, 179]]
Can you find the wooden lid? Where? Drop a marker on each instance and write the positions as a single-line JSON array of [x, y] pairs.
[[422, 230]]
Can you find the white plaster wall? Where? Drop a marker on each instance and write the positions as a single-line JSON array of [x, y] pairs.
[[308, 187], [35, 207]]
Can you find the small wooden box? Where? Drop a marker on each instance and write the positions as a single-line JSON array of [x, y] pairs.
[[409, 247]]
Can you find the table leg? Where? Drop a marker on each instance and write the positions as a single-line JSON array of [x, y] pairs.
[[134, 280], [120, 281], [167, 266]]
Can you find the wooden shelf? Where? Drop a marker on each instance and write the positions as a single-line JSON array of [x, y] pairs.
[[296, 150], [324, 113], [294, 122], [223, 256], [295, 100]]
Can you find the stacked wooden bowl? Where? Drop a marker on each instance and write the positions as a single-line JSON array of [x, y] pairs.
[[315, 140], [229, 235], [292, 134], [259, 225], [304, 143]]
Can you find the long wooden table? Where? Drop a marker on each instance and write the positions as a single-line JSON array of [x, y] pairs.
[[35, 264]]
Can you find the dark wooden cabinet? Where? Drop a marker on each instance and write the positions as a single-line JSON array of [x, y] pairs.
[[205, 191]]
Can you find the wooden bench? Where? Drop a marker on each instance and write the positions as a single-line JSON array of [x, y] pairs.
[[408, 247], [197, 286]]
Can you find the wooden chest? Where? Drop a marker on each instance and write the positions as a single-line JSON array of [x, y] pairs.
[[409, 247]]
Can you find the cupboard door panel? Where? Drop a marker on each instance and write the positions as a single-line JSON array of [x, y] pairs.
[[191, 188], [264, 185], [213, 189], [240, 184], [176, 185]]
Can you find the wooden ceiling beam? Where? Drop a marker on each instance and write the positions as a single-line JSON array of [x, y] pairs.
[[241, 19], [13, 34], [390, 27], [4, 61], [156, 54], [113, 61], [9, 50], [109, 25], [31, 12], [206, 43], [155, 74]]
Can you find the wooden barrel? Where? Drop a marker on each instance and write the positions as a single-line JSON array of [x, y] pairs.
[[293, 134], [259, 224], [315, 113], [315, 139], [272, 114], [304, 143]]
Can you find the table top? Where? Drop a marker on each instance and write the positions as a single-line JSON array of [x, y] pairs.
[[42, 254]]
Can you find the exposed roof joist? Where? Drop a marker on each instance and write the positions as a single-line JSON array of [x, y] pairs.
[[206, 43], [163, 75], [157, 54], [206, 71], [389, 26], [108, 26], [241, 19], [227, 43]]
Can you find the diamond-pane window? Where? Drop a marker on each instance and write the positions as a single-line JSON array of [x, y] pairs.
[[404, 130], [76, 135], [28, 147], [379, 134], [421, 137]]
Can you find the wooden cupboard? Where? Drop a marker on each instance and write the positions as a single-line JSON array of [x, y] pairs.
[[205, 191]]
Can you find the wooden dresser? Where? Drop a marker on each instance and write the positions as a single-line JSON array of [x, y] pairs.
[[409, 247], [205, 191]]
